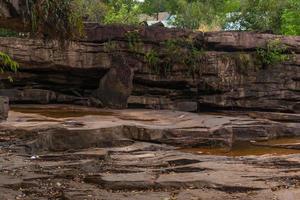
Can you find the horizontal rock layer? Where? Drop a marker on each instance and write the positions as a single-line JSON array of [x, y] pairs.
[[224, 75], [61, 127]]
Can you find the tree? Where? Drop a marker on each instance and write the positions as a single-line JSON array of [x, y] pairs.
[[154, 7], [291, 19], [91, 10], [193, 14], [57, 19], [122, 12], [189, 13], [63, 19], [280, 17]]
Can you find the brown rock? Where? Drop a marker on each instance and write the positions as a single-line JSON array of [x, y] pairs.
[[4, 108], [116, 86], [228, 75]]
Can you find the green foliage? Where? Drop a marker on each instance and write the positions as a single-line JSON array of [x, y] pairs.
[[151, 7], [55, 18], [8, 33], [278, 16], [172, 50], [91, 10], [195, 59], [180, 52], [109, 12], [274, 53], [245, 62], [291, 19], [122, 12], [199, 13], [111, 46], [189, 14], [7, 64], [153, 60], [134, 41], [63, 19]]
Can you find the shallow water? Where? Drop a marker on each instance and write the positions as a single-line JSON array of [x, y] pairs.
[[280, 141], [60, 112], [248, 149]]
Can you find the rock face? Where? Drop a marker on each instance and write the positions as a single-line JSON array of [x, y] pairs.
[[4, 108], [224, 74]]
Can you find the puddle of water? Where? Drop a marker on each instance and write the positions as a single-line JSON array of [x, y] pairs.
[[244, 149], [281, 141], [69, 112], [42, 120], [61, 112]]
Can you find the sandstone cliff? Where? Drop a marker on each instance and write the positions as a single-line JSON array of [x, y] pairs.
[[154, 67]]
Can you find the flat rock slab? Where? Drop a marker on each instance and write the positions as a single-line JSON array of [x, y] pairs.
[[85, 127]]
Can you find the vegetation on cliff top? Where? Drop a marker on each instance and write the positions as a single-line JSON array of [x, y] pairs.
[[277, 16], [64, 18]]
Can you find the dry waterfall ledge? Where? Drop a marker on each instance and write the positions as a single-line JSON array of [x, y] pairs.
[[117, 66]]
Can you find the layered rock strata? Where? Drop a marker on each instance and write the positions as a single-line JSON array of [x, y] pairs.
[[154, 68]]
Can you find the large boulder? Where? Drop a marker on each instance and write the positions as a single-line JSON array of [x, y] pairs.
[[116, 86]]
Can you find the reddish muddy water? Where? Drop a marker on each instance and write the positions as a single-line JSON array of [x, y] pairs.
[[249, 149]]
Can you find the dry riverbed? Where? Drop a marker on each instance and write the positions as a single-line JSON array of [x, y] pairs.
[[63, 152]]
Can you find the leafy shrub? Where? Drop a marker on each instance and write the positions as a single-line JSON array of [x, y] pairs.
[[274, 53], [7, 64], [122, 12], [111, 46], [152, 58], [134, 41], [176, 52]]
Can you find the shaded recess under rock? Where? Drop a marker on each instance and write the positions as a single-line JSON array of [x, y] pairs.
[[225, 76]]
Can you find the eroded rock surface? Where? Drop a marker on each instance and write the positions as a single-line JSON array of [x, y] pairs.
[[60, 152]]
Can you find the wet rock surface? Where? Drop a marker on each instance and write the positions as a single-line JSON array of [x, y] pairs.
[[66, 154]]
